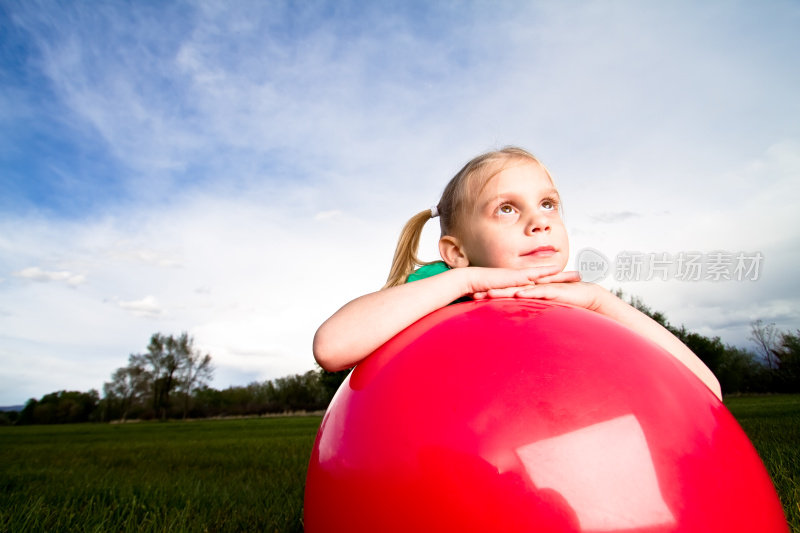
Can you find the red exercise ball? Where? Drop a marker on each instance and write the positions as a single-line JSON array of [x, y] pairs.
[[520, 415]]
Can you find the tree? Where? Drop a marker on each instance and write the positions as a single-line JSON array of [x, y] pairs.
[[195, 371], [300, 392], [161, 361], [170, 365], [63, 407], [738, 371], [127, 386], [788, 355], [330, 382], [765, 336], [710, 350]]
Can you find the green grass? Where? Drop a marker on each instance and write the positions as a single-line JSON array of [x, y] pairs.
[[773, 425], [238, 475], [220, 475]]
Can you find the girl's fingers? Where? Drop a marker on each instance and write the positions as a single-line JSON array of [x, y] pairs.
[[506, 292], [500, 283], [539, 291]]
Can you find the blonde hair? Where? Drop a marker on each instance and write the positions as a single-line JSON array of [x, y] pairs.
[[457, 198]]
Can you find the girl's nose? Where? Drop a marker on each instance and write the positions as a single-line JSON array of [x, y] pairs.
[[538, 223]]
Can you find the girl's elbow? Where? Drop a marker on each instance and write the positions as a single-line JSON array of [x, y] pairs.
[[321, 355], [326, 355]]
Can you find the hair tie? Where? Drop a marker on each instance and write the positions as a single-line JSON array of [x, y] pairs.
[[434, 212]]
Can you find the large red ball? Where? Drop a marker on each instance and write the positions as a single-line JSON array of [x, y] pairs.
[[518, 415]]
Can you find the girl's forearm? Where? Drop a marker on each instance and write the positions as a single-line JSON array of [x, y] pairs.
[[364, 324], [634, 319]]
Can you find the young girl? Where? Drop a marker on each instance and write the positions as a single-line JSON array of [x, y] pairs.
[[501, 236]]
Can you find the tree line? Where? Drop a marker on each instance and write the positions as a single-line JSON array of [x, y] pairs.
[[170, 381], [772, 367]]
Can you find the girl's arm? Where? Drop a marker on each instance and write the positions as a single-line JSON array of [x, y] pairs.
[[596, 298], [363, 325]]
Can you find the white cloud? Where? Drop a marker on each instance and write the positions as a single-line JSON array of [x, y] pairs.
[[37, 274], [147, 306]]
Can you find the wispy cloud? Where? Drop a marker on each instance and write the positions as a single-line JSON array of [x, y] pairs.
[[147, 306], [610, 218], [37, 274]]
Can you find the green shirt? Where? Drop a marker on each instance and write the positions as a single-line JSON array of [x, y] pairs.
[[427, 271]]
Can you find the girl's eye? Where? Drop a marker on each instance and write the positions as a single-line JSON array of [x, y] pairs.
[[549, 205], [506, 209]]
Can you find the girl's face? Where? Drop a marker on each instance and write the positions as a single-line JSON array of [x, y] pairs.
[[515, 222]]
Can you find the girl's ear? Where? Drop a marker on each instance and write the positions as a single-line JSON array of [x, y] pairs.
[[452, 252]]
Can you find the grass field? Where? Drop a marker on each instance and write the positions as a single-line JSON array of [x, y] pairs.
[[218, 475], [773, 425], [236, 475]]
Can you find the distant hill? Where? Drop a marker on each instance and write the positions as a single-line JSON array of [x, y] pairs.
[[11, 408]]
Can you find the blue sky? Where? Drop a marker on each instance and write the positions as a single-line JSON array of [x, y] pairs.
[[240, 170]]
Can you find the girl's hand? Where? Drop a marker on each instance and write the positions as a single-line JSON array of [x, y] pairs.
[[531, 282], [505, 282], [581, 294]]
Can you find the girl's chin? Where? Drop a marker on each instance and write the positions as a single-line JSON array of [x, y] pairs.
[[536, 260]]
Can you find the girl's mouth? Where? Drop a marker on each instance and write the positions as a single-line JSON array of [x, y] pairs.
[[542, 251]]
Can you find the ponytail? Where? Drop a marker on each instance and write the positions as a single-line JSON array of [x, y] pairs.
[[405, 255]]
